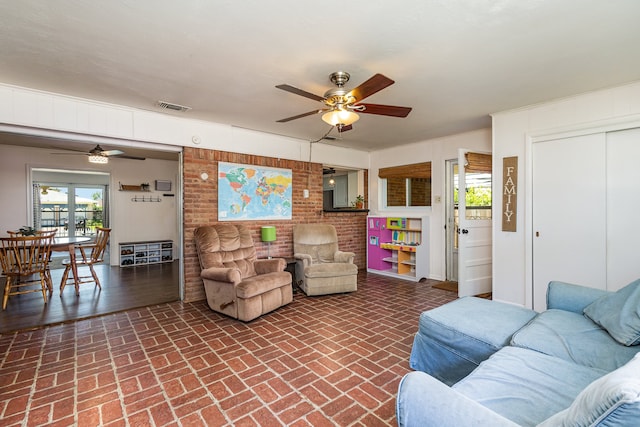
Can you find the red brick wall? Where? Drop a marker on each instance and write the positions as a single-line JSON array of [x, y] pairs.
[[420, 192], [201, 208]]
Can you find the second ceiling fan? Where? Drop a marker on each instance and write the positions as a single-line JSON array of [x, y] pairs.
[[342, 106], [100, 155]]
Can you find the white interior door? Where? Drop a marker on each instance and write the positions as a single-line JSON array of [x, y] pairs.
[[569, 213], [474, 239], [623, 205]]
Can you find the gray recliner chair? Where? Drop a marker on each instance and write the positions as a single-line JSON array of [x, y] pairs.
[[321, 267]]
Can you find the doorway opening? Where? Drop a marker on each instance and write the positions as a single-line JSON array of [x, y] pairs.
[[468, 220], [451, 218]]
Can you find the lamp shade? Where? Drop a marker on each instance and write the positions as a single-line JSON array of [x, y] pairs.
[[268, 233]]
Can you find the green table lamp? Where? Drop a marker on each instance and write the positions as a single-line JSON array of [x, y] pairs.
[[268, 234]]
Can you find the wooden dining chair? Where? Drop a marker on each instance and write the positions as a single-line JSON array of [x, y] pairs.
[[25, 261], [52, 235], [85, 255]]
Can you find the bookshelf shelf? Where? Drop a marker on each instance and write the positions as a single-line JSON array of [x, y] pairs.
[[398, 247]]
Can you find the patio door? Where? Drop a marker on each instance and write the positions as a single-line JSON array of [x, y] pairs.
[[71, 210]]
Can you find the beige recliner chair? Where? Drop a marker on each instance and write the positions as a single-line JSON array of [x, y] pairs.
[[236, 283], [320, 267]]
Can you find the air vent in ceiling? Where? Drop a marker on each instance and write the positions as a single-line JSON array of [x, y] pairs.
[[173, 107]]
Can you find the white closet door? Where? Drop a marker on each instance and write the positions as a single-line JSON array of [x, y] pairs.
[[569, 213], [623, 207]]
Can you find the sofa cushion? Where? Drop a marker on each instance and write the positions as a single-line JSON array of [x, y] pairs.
[[525, 386], [611, 400], [619, 313], [331, 269], [256, 285], [573, 337], [448, 346], [493, 322]]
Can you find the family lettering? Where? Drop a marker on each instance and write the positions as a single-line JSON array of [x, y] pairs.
[[509, 193]]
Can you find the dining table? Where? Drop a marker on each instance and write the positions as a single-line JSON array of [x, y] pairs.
[[64, 244]]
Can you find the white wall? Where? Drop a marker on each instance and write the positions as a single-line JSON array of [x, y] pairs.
[[513, 133], [28, 111], [130, 221], [437, 151]]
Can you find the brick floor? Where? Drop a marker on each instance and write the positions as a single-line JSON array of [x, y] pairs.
[[332, 360]]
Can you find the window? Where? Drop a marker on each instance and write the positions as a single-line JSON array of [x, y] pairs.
[[478, 186], [407, 185]]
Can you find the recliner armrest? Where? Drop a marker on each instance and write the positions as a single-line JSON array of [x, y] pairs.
[[346, 257], [570, 297], [222, 274], [305, 258], [424, 401], [264, 266]]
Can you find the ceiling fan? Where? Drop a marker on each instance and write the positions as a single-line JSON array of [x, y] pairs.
[[341, 105], [100, 155]]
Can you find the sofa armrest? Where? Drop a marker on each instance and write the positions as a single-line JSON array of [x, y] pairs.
[[305, 258], [222, 274], [569, 297], [264, 266], [424, 401], [346, 257]]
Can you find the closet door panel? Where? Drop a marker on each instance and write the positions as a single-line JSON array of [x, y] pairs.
[[623, 207], [569, 213]]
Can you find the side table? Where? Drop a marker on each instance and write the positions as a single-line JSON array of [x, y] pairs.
[[291, 268]]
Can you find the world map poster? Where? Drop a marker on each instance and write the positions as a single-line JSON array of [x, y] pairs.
[[247, 192]]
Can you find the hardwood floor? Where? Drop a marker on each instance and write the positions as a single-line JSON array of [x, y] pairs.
[[122, 289]]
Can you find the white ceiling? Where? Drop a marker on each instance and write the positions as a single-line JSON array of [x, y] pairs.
[[454, 61]]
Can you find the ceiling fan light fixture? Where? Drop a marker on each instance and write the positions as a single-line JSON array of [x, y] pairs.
[[98, 158], [339, 117]]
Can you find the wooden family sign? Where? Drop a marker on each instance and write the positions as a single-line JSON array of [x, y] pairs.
[[509, 193]]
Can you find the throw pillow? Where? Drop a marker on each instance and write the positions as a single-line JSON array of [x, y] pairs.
[[613, 399], [619, 313]]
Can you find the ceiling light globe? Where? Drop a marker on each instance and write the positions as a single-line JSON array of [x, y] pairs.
[[340, 117], [98, 159]]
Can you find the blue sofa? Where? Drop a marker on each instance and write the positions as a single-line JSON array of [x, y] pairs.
[[485, 363]]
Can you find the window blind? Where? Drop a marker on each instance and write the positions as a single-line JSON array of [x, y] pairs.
[[478, 162], [415, 170]]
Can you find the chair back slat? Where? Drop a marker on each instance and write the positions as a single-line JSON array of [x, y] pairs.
[[100, 244], [25, 255]]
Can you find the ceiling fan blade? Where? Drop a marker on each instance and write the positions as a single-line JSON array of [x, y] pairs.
[[130, 157], [300, 92], [385, 110], [371, 86], [299, 116], [113, 153], [345, 128]]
